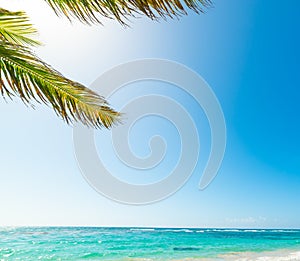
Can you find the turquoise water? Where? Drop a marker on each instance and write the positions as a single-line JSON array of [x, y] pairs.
[[86, 243]]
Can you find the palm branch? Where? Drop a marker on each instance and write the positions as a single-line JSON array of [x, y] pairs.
[[22, 73], [87, 11], [16, 28]]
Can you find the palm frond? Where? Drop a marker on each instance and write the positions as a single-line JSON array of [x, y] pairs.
[[87, 11], [16, 28], [24, 74]]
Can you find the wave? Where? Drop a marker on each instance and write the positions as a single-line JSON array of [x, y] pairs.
[[205, 230], [142, 229], [254, 230], [91, 255], [177, 230], [227, 230]]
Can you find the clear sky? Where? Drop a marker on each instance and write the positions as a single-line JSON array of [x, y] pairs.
[[248, 52]]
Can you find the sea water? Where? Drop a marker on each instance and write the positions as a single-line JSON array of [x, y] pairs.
[[96, 243]]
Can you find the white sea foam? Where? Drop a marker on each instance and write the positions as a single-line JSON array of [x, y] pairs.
[[279, 255], [225, 230], [142, 229], [176, 230]]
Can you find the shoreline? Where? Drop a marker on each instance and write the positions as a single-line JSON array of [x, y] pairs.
[[274, 255]]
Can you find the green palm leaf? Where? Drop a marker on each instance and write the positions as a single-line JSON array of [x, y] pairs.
[[87, 10], [27, 76], [15, 28], [24, 74]]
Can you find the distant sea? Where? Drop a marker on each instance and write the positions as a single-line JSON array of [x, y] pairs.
[[91, 243]]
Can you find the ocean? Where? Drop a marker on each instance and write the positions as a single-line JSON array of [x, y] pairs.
[[96, 243]]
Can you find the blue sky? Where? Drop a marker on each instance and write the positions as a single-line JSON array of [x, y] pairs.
[[248, 52]]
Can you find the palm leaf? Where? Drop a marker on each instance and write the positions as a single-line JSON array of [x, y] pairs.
[[24, 74], [87, 11], [16, 28]]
